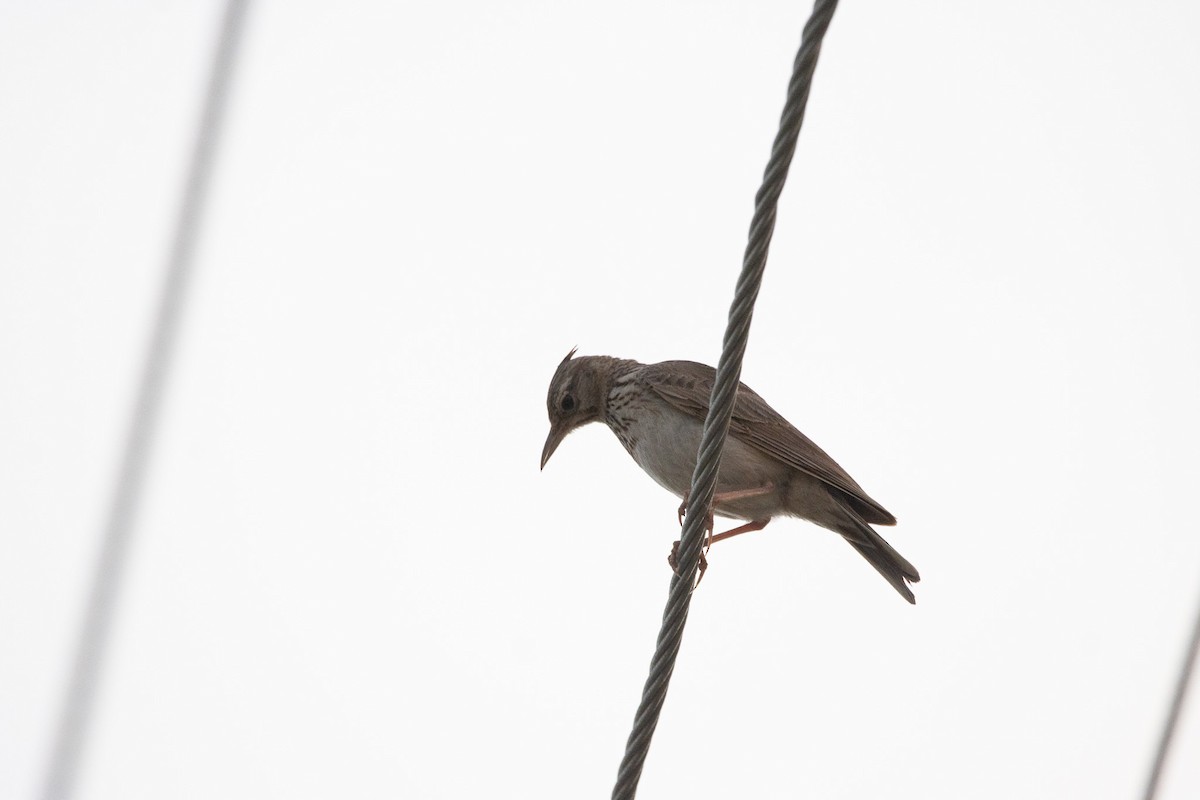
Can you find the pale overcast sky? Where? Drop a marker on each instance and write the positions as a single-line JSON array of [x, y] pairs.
[[351, 580]]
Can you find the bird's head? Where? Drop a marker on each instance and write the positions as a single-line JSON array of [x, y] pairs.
[[576, 397]]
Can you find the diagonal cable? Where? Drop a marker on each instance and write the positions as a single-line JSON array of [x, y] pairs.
[[70, 735], [720, 411], [1171, 723]]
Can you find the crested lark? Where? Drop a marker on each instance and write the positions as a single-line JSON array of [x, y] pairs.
[[768, 468]]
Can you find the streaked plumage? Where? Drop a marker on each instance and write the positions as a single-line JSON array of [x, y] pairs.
[[657, 411]]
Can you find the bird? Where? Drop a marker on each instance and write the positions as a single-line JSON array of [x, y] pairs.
[[768, 468]]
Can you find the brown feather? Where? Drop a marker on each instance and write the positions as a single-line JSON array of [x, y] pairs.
[[687, 386]]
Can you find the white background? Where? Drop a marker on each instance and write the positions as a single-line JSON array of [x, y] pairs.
[[349, 578]]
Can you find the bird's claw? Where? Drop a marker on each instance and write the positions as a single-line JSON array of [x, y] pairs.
[[673, 560]]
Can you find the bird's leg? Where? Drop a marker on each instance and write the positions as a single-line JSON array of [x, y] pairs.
[[729, 497], [709, 538], [726, 497], [742, 494], [755, 525]]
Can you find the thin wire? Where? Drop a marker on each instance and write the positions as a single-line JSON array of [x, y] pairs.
[[80, 696], [1172, 721], [720, 411]]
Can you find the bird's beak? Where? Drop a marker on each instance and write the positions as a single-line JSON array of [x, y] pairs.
[[557, 434]]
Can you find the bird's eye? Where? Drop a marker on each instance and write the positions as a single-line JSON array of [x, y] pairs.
[[567, 403]]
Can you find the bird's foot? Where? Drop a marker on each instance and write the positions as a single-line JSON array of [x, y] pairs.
[[673, 560], [681, 512], [709, 540]]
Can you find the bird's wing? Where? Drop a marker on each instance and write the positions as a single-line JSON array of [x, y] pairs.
[[687, 386]]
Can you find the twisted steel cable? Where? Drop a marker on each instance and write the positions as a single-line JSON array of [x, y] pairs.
[[720, 411], [69, 736]]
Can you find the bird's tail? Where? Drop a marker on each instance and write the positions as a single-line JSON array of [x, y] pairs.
[[882, 556]]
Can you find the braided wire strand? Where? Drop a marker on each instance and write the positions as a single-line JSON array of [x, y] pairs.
[[724, 394]]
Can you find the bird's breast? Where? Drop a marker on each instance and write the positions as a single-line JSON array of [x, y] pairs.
[[664, 441], [665, 445]]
